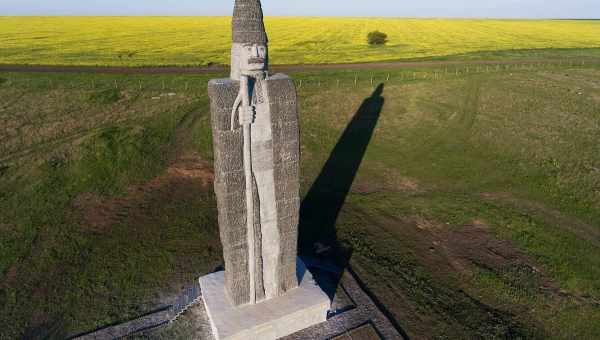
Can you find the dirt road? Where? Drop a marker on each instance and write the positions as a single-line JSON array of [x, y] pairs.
[[277, 68]]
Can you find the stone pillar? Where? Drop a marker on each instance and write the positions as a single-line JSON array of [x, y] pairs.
[[265, 291], [275, 160]]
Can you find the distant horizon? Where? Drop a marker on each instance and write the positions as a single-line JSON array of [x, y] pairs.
[[450, 9], [302, 16]]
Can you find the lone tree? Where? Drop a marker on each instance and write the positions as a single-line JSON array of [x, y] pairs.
[[377, 38]]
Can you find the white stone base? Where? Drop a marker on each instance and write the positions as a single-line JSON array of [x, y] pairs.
[[300, 308]]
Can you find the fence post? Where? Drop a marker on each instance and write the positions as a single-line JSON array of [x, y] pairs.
[[355, 80], [388, 77], [116, 85], [338, 82]]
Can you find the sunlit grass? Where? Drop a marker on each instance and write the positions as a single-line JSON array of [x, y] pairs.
[[135, 41], [510, 151]]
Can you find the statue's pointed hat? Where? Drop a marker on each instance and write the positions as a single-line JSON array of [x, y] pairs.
[[248, 25]]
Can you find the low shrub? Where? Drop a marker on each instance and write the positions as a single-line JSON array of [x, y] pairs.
[[377, 38]]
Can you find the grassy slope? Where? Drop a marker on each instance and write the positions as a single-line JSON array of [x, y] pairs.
[[62, 275], [203, 40], [442, 156], [512, 150]]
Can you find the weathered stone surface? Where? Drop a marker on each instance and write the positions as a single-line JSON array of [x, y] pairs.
[[284, 122], [257, 152], [230, 188], [248, 26], [276, 156]]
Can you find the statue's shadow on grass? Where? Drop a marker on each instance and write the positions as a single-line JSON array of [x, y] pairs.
[[323, 202]]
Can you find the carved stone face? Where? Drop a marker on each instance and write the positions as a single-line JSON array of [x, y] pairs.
[[253, 57]]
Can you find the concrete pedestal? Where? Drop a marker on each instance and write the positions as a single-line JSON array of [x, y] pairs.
[[300, 308]]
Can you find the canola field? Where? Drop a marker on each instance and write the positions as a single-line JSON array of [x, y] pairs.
[[148, 41]]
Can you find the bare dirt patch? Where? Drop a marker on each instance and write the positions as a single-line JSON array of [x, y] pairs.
[[473, 247], [458, 251], [11, 276], [581, 229], [425, 269], [99, 213], [401, 183], [5, 227], [475, 244]]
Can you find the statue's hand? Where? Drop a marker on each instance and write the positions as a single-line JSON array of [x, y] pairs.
[[247, 114]]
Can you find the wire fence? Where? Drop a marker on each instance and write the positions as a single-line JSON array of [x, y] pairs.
[[441, 73], [313, 79], [148, 85]]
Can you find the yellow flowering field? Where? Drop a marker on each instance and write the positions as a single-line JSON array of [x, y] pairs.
[[136, 41]]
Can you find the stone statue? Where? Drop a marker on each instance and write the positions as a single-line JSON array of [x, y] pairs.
[[265, 292], [256, 147]]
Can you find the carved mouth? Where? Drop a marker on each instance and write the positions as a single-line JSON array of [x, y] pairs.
[[256, 61]]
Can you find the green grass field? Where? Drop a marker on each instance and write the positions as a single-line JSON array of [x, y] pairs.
[[137, 41], [474, 212]]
